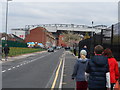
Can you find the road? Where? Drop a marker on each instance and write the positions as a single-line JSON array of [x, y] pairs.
[[40, 70], [36, 71]]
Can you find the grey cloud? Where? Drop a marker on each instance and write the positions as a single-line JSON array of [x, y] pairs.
[[21, 14]]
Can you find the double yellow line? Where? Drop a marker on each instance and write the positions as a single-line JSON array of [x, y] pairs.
[[56, 75]]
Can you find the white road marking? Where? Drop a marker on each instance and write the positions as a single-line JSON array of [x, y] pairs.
[[61, 79], [52, 77], [18, 66], [13, 67], [4, 71], [25, 62], [21, 64], [9, 69]]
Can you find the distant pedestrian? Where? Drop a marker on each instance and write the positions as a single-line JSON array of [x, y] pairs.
[[113, 67], [86, 49], [79, 71], [97, 68], [74, 51], [6, 51]]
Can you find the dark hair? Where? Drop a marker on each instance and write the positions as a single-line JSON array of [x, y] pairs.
[[107, 52], [98, 49]]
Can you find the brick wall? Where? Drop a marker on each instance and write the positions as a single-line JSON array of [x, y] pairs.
[[40, 35], [37, 35], [61, 41]]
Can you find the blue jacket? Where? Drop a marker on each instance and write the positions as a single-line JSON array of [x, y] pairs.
[[79, 69], [97, 68]]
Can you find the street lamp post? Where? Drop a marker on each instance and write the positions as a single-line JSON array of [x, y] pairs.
[[92, 41], [92, 29], [6, 18]]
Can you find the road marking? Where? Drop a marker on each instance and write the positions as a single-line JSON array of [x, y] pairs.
[[56, 75], [9, 69], [13, 67], [4, 71], [18, 66], [52, 77], [26, 62], [61, 79]]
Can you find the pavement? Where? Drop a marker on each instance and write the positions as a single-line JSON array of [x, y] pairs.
[[70, 60]]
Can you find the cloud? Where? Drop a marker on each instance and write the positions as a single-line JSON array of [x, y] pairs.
[[66, 0], [21, 14]]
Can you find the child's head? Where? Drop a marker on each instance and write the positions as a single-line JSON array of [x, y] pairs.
[[107, 52], [98, 49], [83, 53]]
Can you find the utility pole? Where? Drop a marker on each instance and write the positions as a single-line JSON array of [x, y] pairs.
[[6, 18]]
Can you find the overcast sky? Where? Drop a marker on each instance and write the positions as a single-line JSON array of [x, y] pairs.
[[82, 13]]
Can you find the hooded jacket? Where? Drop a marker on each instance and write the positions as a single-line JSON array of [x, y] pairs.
[[79, 69], [97, 68]]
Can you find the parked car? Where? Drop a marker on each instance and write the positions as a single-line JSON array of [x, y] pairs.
[[50, 50]]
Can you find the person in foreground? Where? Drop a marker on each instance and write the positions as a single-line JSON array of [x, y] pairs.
[[79, 71], [113, 67], [97, 68]]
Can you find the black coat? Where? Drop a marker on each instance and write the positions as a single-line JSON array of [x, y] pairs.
[[6, 49], [97, 69]]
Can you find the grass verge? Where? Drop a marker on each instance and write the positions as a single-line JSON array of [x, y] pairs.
[[14, 51]]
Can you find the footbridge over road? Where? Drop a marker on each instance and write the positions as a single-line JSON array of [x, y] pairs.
[[68, 27]]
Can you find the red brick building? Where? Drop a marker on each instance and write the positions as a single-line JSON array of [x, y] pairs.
[[41, 35], [61, 41]]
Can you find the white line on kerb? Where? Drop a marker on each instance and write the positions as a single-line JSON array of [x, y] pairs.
[[4, 71]]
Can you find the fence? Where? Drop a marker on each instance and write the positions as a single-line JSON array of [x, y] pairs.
[[13, 43], [107, 38]]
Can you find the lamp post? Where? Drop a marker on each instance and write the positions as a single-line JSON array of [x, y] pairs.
[[92, 42], [6, 18], [92, 29]]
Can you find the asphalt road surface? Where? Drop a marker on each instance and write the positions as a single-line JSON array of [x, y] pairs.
[[40, 70], [35, 71]]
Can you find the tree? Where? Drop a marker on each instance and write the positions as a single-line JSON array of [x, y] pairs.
[[70, 38]]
